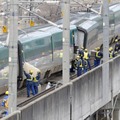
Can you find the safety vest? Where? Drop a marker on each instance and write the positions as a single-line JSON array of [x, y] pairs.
[[85, 55], [79, 63], [35, 80], [97, 54], [5, 102], [31, 78], [111, 54]]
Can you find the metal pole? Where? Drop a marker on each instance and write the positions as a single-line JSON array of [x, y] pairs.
[[66, 40], [13, 55], [105, 48]]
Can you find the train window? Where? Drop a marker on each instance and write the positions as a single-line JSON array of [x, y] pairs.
[[57, 40], [40, 47]]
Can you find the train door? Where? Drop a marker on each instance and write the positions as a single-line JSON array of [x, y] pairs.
[[81, 39]]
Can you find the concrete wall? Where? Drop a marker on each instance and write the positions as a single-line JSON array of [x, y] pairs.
[[87, 94], [54, 106], [77, 100]]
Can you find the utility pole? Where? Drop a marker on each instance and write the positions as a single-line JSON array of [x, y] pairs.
[[105, 48], [66, 40], [13, 55]]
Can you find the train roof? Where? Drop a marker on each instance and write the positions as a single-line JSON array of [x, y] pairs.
[[33, 35], [88, 25], [53, 29], [115, 7]]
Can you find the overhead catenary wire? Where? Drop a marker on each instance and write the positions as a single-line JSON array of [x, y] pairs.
[[87, 7], [52, 23]]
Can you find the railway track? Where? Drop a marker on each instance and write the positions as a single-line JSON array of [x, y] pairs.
[[35, 97]]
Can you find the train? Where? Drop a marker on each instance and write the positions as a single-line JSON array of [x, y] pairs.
[[41, 48]]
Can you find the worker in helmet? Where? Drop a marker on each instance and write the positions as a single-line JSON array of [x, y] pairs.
[[5, 103], [87, 57], [98, 57], [111, 53], [79, 66], [85, 65], [29, 83], [81, 53], [36, 82], [117, 46]]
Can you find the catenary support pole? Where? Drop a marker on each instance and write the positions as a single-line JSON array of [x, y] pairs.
[[105, 49], [13, 55], [66, 40]]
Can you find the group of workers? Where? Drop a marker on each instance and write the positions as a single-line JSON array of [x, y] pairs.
[[81, 63], [32, 82]]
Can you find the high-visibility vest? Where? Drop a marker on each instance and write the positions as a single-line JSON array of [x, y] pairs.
[[6, 104], [85, 55], [97, 54], [79, 63], [35, 80], [31, 78], [111, 54]]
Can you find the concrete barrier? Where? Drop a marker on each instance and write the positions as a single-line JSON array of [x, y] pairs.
[[87, 94], [54, 106], [14, 116], [116, 76], [76, 100]]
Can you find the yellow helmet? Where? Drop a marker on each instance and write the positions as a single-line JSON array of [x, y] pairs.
[[86, 50], [31, 72], [98, 48], [82, 48], [110, 49], [6, 92], [116, 40], [77, 57], [95, 48]]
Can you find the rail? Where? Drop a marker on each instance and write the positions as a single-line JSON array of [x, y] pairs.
[[35, 97]]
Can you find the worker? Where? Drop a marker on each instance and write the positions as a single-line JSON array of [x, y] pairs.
[[98, 57], [85, 64], [81, 53], [87, 57], [29, 83], [36, 81], [73, 66], [117, 46], [5, 103], [79, 65], [111, 53]]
